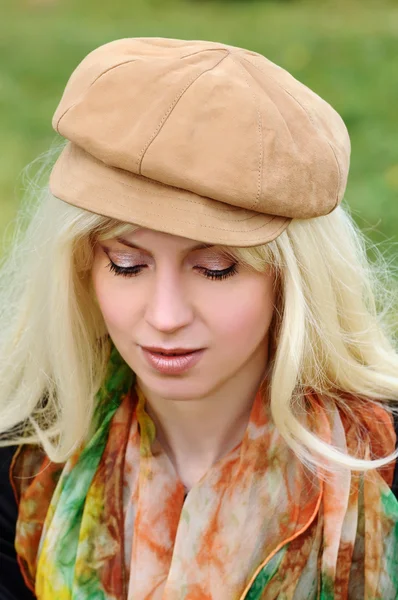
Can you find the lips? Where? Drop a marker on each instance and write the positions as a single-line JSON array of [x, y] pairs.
[[171, 361], [170, 352]]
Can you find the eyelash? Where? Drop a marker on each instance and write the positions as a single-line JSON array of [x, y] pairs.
[[133, 271]]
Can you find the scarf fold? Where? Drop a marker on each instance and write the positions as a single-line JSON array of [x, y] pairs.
[[113, 522]]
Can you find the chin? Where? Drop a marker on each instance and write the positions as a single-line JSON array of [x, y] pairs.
[[177, 388]]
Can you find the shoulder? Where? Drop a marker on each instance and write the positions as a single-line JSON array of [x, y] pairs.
[[378, 428], [369, 428], [12, 586]]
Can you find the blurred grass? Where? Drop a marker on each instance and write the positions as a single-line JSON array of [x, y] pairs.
[[346, 51]]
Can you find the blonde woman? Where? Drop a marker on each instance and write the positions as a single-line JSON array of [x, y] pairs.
[[197, 364]]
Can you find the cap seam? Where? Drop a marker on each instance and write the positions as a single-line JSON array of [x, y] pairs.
[[205, 50], [170, 109], [311, 120], [293, 142], [259, 131], [125, 62]]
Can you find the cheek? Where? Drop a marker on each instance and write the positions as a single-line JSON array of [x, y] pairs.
[[111, 298], [245, 315]]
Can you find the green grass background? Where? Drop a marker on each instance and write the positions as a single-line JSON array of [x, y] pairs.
[[346, 51]]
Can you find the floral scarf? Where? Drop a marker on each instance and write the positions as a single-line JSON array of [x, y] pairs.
[[115, 522]]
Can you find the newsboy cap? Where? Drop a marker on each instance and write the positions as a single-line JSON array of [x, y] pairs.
[[199, 139]]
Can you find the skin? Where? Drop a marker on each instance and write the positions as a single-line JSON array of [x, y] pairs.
[[201, 414]]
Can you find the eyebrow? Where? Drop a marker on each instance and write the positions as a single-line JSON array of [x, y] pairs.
[[136, 247]]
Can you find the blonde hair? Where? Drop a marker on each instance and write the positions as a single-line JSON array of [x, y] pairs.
[[331, 331]]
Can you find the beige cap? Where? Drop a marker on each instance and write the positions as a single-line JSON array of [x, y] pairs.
[[198, 139]]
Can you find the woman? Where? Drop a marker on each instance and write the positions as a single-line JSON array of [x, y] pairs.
[[194, 368]]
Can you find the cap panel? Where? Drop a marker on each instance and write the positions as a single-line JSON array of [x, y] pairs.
[[115, 53], [118, 52], [326, 121], [300, 173], [94, 65], [175, 105], [203, 147], [116, 116]]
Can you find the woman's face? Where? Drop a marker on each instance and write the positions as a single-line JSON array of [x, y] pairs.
[[171, 293]]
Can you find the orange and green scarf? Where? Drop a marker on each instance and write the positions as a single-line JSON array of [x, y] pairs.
[[115, 522]]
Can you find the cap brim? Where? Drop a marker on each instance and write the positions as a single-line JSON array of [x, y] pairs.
[[84, 181]]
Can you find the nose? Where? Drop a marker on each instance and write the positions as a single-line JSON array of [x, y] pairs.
[[169, 307]]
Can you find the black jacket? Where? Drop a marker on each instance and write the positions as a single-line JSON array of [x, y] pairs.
[[12, 586]]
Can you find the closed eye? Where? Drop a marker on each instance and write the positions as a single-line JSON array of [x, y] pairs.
[[209, 273]]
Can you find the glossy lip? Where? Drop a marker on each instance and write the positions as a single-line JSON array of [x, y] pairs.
[[172, 365], [159, 349]]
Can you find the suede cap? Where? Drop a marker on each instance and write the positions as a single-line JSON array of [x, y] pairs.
[[199, 139]]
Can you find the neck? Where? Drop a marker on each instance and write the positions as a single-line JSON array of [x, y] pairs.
[[197, 433]]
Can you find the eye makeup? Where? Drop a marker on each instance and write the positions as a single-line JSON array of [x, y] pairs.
[[207, 261], [135, 270]]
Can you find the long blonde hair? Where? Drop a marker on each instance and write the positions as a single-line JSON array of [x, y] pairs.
[[332, 329]]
